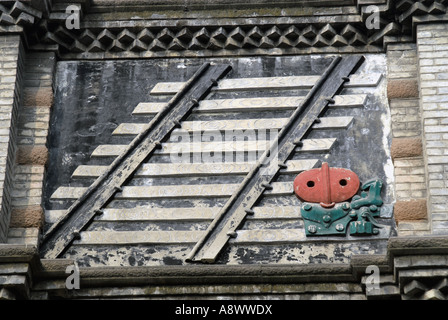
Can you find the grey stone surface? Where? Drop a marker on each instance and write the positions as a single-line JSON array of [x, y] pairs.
[[431, 43], [189, 188], [11, 67]]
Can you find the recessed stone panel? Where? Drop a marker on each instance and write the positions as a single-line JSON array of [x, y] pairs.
[[168, 203]]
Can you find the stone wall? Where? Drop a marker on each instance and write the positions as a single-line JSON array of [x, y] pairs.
[[406, 149], [432, 45], [11, 67], [32, 154]]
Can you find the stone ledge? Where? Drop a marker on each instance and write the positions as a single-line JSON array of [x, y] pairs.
[[407, 258], [126, 5], [17, 253], [359, 263], [399, 246], [200, 274]]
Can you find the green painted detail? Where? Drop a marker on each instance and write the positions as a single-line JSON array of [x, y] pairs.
[[358, 216], [370, 197], [321, 221]]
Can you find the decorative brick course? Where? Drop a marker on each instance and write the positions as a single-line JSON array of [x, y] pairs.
[[27, 217], [35, 97], [32, 132], [27, 190], [433, 73], [10, 93], [406, 147]]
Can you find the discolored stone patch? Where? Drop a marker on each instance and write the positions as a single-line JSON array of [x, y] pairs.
[[410, 210], [38, 97], [397, 89], [36, 155], [406, 147], [27, 217]]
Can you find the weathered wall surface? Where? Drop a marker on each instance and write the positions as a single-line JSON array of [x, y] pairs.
[[167, 43], [91, 105]]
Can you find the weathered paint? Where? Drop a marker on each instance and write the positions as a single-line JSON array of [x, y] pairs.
[[326, 185], [364, 135]]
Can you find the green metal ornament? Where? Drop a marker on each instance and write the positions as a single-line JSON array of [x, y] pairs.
[[324, 217]]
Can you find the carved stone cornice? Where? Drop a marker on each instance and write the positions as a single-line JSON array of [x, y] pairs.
[[136, 29], [417, 270], [142, 35], [18, 13], [29, 13]]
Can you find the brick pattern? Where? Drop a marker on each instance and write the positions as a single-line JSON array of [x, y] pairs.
[[406, 120], [10, 83], [402, 70], [432, 42], [32, 153], [28, 236], [410, 180], [28, 184], [409, 164]]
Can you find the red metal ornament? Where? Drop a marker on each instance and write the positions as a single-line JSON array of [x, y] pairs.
[[326, 185]]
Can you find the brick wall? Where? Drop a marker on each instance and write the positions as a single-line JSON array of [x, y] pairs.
[[432, 43], [11, 53], [410, 209], [33, 124]]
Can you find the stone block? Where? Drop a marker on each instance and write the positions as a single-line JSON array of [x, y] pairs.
[[32, 155], [28, 217], [410, 210], [6, 294], [397, 89], [38, 97], [406, 147]]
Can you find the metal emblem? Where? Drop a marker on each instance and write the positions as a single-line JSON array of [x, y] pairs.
[[326, 211]]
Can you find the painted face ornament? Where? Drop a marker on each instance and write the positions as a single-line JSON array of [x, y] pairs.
[[326, 186], [326, 210]]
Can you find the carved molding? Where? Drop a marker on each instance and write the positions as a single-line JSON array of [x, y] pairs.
[[19, 14], [102, 35], [109, 38], [415, 269]]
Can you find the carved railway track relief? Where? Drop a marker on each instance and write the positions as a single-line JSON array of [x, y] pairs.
[[218, 154]]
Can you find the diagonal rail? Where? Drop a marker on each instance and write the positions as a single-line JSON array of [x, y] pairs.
[[240, 205], [84, 209]]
